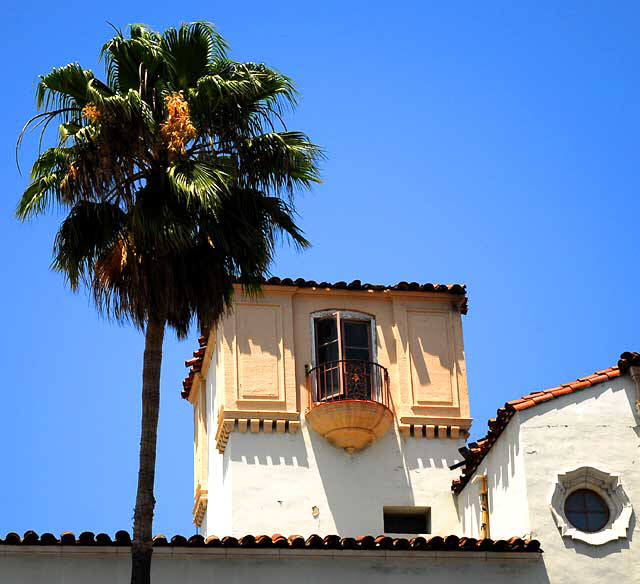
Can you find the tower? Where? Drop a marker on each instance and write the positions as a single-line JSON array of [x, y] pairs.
[[330, 408]]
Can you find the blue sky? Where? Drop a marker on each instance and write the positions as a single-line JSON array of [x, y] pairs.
[[493, 144]]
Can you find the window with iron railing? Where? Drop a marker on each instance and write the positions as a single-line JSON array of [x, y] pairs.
[[344, 358]]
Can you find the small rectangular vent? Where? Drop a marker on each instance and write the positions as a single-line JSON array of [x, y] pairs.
[[409, 520]]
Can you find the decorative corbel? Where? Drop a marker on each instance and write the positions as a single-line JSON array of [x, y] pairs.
[[201, 500]]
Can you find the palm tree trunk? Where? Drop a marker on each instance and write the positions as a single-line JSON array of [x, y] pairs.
[[141, 548]]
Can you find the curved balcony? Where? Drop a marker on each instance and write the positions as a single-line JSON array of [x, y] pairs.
[[349, 402]]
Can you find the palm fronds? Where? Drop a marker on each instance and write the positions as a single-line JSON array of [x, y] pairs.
[[177, 172]]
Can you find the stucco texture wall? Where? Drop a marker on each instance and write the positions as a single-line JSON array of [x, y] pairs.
[[273, 482], [405, 568], [597, 428], [507, 488]]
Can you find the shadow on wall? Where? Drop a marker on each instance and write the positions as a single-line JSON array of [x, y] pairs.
[[500, 476], [434, 339], [534, 573], [422, 453], [280, 449], [251, 341], [357, 486], [602, 551]]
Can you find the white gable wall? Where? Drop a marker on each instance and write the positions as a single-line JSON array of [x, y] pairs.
[[507, 486], [593, 427]]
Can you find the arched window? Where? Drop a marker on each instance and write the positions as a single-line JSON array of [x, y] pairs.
[[344, 351], [343, 335]]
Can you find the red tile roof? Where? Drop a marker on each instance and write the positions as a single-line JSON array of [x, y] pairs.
[[537, 397], [454, 289], [329, 542], [475, 452], [458, 290], [195, 366]]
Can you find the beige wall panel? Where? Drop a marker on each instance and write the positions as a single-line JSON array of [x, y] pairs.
[[431, 358], [259, 351]]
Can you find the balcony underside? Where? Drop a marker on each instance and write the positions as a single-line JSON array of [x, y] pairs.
[[350, 424]]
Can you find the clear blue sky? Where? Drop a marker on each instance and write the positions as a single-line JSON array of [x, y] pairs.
[[493, 144]]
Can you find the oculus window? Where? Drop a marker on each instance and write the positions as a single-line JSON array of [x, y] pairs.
[[590, 505], [586, 510]]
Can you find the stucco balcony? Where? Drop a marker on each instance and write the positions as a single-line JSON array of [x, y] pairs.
[[349, 402]]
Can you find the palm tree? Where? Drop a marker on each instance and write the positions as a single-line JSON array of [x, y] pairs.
[[177, 182]]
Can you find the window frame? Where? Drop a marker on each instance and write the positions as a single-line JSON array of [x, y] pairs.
[[609, 487], [397, 513], [341, 315]]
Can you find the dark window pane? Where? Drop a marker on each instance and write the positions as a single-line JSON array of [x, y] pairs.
[[578, 520], [327, 330], [328, 353], [406, 519], [335, 379], [593, 502], [359, 354], [356, 333], [333, 383], [586, 510], [575, 502], [596, 521], [328, 382]]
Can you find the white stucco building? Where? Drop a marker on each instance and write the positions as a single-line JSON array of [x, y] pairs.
[[337, 415]]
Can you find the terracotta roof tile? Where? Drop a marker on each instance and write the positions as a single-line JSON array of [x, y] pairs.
[[561, 391], [280, 541], [195, 365], [212, 541], [455, 289], [296, 541], [329, 542], [196, 541], [475, 452], [50, 539], [29, 538], [160, 541], [179, 541], [543, 397], [582, 384], [349, 543], [528, 403]]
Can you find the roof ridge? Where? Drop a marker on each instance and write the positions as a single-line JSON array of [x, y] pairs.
[[403, 285], [475, 452]]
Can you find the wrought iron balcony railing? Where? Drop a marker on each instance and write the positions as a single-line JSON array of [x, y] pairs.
[[348, 379]]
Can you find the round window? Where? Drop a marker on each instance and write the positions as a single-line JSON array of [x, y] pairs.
[[586, 510]]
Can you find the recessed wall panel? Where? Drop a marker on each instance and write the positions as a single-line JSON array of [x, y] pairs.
[[431, 358]]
